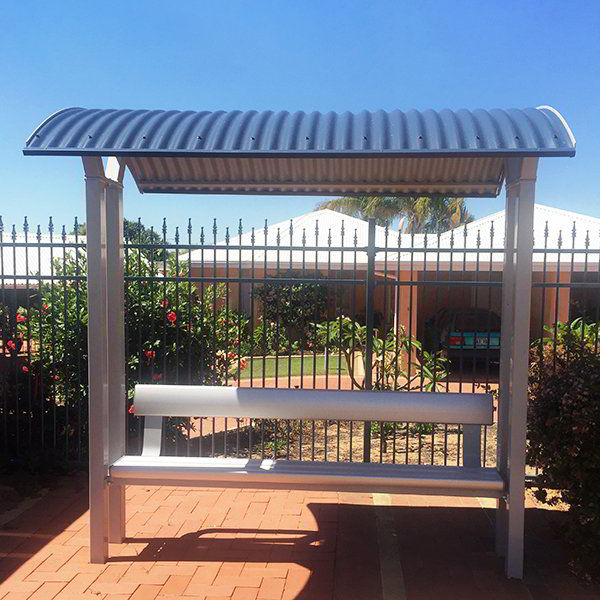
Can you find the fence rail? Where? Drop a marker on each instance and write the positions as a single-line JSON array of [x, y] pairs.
[[346, 308]]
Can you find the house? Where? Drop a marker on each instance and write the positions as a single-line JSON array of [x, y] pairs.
[[28, 259], [323, 244], [566, 255], [566, 258], [332, 246]]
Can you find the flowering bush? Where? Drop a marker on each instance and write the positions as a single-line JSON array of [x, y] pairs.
[[563, 425], [173, 335]]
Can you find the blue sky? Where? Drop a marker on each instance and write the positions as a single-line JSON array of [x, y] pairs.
[[308, 55]]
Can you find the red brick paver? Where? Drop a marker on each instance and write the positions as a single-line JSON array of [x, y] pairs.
[[201, 544]]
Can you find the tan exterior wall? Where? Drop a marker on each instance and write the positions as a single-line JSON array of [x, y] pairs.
[[409, 306], [548, 304]]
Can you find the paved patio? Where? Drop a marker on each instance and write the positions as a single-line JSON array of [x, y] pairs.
[[261, 545]]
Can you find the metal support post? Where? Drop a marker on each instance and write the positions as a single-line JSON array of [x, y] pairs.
[[370, 321], [95, 186], [521, 176], [117, 394], [506, 336]]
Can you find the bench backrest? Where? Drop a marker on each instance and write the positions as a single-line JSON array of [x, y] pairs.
[[345, 405]]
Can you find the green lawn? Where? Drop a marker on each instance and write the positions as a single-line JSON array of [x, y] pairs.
[[308, 365]]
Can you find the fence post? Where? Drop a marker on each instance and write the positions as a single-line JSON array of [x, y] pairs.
[[370, 321]]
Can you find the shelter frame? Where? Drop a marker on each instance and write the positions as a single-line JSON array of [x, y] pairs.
[[445, 153], [107, 401]]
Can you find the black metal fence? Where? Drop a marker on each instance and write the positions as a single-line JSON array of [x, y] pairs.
[[321, 305]]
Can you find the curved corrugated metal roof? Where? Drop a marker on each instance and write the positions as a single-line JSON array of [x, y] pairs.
[[384, 153], [531, 131]]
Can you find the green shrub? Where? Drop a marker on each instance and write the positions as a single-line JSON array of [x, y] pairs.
[[295, 306], [399, 361], [563, 426], [269, 339]]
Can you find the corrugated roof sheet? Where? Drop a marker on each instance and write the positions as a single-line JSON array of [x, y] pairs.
[[442, 153]]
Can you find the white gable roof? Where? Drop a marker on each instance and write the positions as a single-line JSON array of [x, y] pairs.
[[553, 228], [323, 229], [320, 229], [36, 259]]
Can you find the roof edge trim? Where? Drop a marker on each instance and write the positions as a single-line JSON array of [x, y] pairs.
[[427, 153], [562, 120]]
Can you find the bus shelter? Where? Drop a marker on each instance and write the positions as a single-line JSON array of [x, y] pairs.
[[447, 153]]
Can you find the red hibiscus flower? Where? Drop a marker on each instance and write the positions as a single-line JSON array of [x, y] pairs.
[[24, 369], [11, 345], [171, 317], [157, 376], [131, 409], [21, 317], [150, 354]]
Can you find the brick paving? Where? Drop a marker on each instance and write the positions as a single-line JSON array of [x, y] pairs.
[[235, 544]]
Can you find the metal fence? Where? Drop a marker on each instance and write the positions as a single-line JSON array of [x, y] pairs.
[[311, 306]]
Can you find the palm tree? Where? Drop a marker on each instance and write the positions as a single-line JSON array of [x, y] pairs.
[[417, 214]]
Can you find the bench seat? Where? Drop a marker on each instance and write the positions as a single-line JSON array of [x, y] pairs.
[[307, 475]]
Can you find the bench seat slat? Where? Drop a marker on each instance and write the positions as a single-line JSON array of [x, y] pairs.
[[344, 405], [307, 475]]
